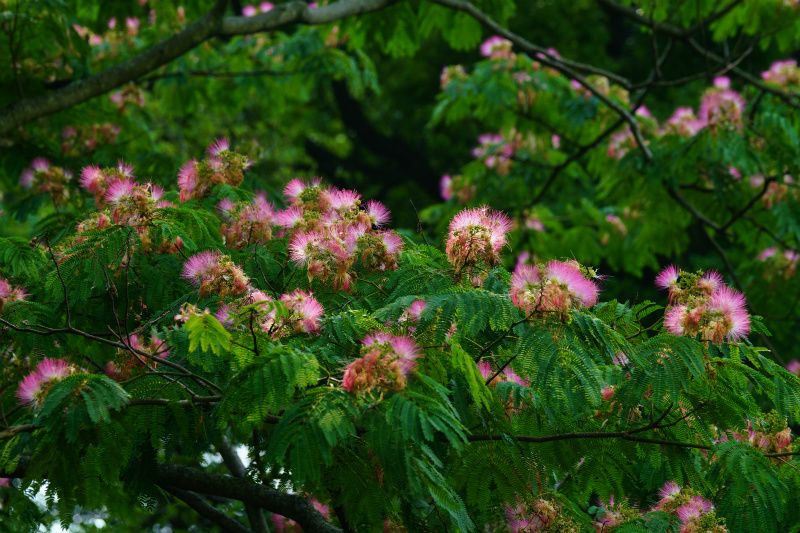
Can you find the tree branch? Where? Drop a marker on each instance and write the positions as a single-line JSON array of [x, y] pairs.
[[564, 66], [289, 505], [237, 468], [201, 507], [213, 24]]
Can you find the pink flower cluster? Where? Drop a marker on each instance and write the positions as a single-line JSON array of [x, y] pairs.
[[43, 177], [554, 287], [412, 314], [247, 222], [786, 261], [126, 202], [783, 74], [302, 314], [221, 165], [10, 293], [98, 181], [476, 238], [214, 273], [128, 95], [507, 374], [495, 151], [696, 513], [721, 106], [331, 231], [34, 387], [456, 187], [702, 305], [451, 73], [86, 138], [497, 47], [385, 364], [765, 440], [540, 515], [251, 10], [128, 363]]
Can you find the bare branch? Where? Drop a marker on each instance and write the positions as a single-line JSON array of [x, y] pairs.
[[211, 25]]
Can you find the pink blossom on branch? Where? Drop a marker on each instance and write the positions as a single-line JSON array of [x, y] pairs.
[[702, 305], [476, 237], [35, 386], [385, 364], [555, 287]]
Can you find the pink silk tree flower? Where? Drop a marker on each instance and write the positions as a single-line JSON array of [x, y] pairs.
[[476, 236], [34, 387]]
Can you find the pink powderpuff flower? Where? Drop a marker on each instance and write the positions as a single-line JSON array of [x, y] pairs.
[[378, 213], [187, 180], [200, 265], [515, 378], [296, 187], [793, 366], [289, 217], [304, 245], [694, 508], [710, 282], [391, 241], [132, 24], [40, 164], [266, 7], [92, 179], [476, 236], [118, 190], [307, 309], [731, 305], [782, 73], [496, 47], [415, 310], [607, 392], [385, 364], [216, 148], [668, 493], [766, 253], [9, 293], [34, 386], [214, 273], [343, 199], [668, 277], [683, 122], [446, 187], [721, 106], [27, 178], [674, 319], [485, 368], [225, 206], [569, 275], [249, 11]]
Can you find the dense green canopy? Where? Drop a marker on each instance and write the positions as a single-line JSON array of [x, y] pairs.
[[193, 338]]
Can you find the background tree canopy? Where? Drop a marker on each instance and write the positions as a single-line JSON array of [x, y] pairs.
[[195, 339]]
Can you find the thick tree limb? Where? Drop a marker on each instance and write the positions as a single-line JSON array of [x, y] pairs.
[[201, 507], [237, 468], [213, 24], [289, 505]]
